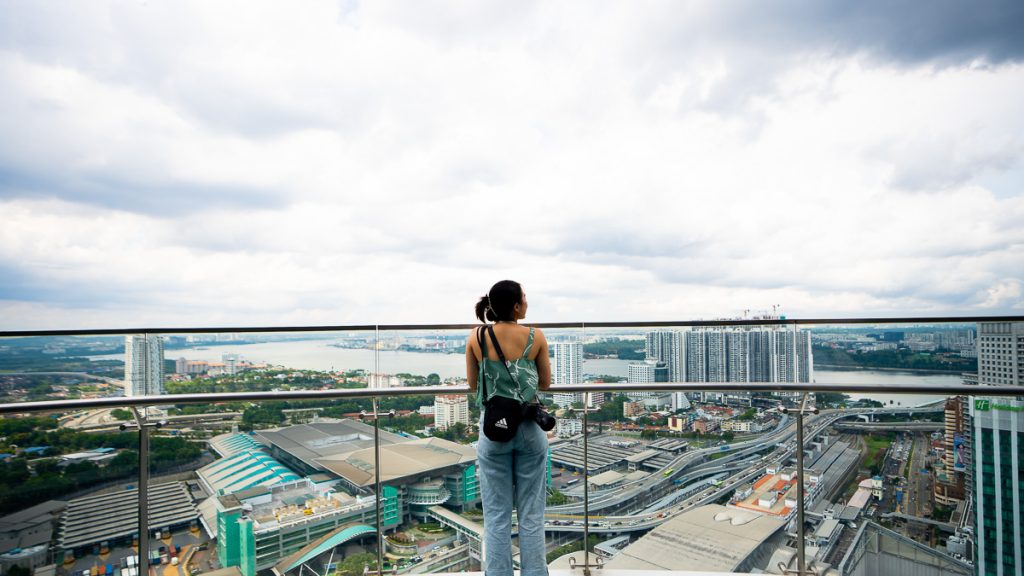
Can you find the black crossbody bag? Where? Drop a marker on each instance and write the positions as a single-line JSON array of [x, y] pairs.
[[502, 416]]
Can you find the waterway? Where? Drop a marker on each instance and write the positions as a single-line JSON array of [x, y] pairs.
[[325, 355]]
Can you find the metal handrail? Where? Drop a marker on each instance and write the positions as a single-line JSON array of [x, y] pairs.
[[351, 393], [467, 326]]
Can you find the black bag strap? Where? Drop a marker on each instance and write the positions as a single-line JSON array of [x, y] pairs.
[[483, 356], [501, 355], [504, 362]]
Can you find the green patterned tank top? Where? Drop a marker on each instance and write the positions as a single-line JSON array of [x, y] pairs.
[[523, 370]]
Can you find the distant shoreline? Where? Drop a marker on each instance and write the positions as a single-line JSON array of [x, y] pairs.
[[838, 367]]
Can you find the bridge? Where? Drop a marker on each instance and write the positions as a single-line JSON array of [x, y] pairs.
[[944, 526], [889, 426]]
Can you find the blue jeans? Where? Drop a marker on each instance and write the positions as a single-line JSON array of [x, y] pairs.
[[517, 470]]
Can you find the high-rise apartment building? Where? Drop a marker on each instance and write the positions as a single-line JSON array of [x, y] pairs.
[[143, 365], [566, 368], [232, 363], [716, 362], [762, 365], [1000, 353], [997, 450], [566, 362], [646, 372], [450, 409], [696, 356], [793, 351], [767, 354], [668, 347], [737, 343]]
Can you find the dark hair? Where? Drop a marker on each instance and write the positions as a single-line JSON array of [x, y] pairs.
[[500, 302]]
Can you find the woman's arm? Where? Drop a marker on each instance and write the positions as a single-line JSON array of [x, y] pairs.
[[543, 361], [472, 364]]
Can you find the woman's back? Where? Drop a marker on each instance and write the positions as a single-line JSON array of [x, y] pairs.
[[513, 340], [519, 378]]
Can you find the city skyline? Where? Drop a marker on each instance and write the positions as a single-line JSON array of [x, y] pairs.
[[659, 161]]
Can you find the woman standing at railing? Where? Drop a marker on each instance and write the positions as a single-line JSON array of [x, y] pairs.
[[513, 470]]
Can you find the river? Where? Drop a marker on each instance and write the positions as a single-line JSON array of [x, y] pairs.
[[321, 355]]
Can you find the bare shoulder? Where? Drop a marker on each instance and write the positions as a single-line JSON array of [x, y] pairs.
[[538, 336]]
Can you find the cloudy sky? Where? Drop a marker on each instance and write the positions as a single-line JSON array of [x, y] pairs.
[[233, 164]]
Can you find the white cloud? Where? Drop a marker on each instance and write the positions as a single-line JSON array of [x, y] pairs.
[[205, 164]]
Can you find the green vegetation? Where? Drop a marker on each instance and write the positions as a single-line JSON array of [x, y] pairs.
[[555, 497], [610, 411], [431, 528], [16, 426], [457, 432], [24, 483], [263, 415], [749, 414], [609, 378], [651, 434], [121, 414], [621, 349], [573, 547], [876, 448], [830, 399], [899, 359], [354, 564]]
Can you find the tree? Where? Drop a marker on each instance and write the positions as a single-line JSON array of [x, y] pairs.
[[830, 399], [555, 497], [121, 414], [353, 565], [433, 379]]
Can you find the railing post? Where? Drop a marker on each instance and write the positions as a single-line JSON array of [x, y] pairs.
[[801, 548], [143, 424], [378, 505], [586, 495]]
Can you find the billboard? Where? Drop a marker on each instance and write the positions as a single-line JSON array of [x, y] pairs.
[[959, 456]]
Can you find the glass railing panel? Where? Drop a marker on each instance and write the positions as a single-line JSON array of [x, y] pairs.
[[914, 477], [897, 460], [35, 368], [430, 455]]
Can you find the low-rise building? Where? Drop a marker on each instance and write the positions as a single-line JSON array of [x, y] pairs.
[[705, 426], [566, 427], [632, 409]]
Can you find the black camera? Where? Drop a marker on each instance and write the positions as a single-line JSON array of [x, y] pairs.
[[538, 414]]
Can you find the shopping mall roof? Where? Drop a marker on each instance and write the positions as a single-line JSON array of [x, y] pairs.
[[709, 538], [411, 458], [227, 444], [244, 470], [310, 442]]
